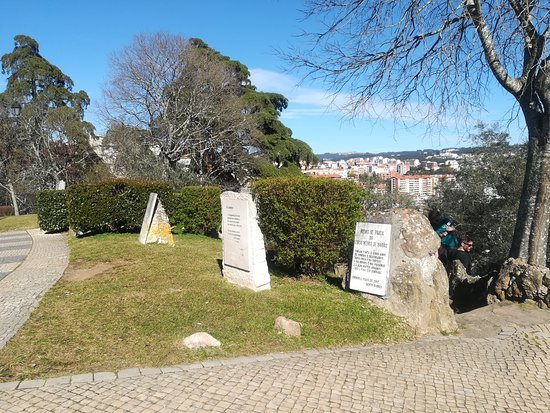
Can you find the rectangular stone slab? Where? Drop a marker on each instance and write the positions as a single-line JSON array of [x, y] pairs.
[[370, 266]]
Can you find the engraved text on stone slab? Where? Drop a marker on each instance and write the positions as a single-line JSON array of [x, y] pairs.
[[235, 233], [371, 258]]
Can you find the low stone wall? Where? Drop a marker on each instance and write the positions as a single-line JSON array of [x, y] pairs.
[[518, 281]]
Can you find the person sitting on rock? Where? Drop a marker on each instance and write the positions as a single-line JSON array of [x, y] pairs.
[[462, 253], [445, 228], [466, 291], [446, 232]]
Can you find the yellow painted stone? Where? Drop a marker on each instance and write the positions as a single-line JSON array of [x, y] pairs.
[[160, 231]]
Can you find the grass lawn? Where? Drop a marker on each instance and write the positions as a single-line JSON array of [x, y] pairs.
[[20, 223], [136, 312]]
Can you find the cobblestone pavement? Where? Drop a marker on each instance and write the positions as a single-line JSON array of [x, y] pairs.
[[504, 372], [22, 285]]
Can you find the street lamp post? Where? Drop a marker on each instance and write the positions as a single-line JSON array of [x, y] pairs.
[[16, 109]]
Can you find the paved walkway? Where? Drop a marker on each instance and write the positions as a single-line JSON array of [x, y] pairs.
[[14, 247], [23, 283], [506, 372]]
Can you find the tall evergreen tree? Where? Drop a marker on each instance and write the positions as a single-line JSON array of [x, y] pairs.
[[51, 134]]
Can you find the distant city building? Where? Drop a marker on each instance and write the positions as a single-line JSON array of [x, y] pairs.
[[403, 167], [418, 186], [452, 163], [430, 165], [321, 172], [450, 154]]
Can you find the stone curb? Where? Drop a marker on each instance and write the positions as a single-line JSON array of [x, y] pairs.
[[136, 372], [208, 364]]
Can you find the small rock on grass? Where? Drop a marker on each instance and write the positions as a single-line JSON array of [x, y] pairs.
[[200, 340], [289, 327]]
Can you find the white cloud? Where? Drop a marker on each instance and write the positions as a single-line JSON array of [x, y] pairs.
[[302, 113], [269, 81], [313, 102], [266, 80]]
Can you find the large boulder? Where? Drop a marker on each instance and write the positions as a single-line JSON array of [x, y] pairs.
[[518, 281], [418, 287], [466, 292]]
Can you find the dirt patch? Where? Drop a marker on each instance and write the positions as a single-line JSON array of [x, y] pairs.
[[490, 320], [79, 274]]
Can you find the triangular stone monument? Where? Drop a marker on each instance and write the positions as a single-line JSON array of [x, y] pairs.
[[156, 226]]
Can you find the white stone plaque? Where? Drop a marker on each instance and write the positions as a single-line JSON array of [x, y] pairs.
[[235, 232], [244, 261], [148, 217], [370, 266]]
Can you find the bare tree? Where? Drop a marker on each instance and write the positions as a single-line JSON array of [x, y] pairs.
[[440, 58], [128, 155], [184, 100]]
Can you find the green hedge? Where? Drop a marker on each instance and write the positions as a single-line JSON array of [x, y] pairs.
[[112, 206], [308, 223], [196, 210], [51, 207]]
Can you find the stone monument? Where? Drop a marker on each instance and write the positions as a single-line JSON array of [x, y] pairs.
[[244, 261], [417, 287], [155, 228], [370, 267]]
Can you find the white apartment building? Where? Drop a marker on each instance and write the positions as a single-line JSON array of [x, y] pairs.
[[453, 164], [419, 186]]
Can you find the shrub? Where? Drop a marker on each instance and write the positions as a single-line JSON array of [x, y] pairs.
[[6, 210], [112, 206], [197, 210], [51, 207], [308, 224]]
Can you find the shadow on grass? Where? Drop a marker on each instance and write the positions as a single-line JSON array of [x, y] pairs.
[[333, 280], [282, 272]]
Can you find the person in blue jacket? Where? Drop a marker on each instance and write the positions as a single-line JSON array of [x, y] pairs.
[[446, 232], [445, 228]]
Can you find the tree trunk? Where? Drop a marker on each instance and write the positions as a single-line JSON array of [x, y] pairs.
[[520, 241], [538, 241], [530, 241], [13, 199]]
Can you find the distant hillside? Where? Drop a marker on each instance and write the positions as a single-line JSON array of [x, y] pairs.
[[419, 154]]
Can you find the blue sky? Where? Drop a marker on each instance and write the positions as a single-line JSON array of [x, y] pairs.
[[79, 36]]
